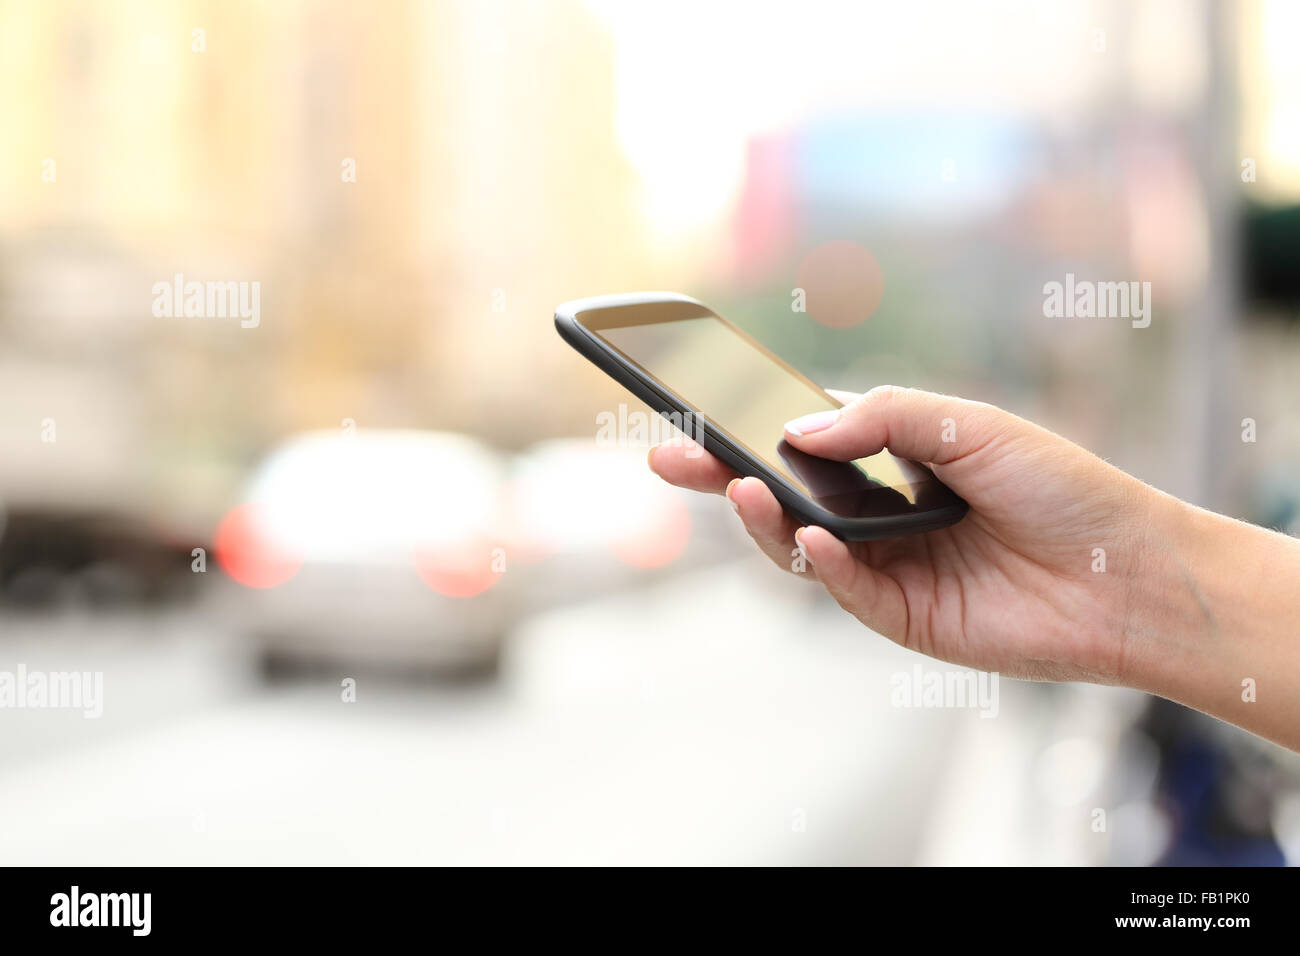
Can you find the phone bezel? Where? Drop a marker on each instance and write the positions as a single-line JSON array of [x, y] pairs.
[[581, 334]]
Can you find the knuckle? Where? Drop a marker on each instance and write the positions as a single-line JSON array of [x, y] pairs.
[[876, 399]]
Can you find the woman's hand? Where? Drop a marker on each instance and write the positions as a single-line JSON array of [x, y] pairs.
[[1065, 567]]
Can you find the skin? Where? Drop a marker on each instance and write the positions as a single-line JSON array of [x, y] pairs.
[[1189, 605]]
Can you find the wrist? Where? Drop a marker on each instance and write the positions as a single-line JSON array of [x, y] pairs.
[[1219, 617], [1168, 626]]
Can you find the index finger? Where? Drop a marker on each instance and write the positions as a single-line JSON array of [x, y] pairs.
[[687, 465]]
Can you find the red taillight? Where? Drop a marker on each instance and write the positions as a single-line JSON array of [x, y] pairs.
[[658, 541], [460, 571], [245, 552]]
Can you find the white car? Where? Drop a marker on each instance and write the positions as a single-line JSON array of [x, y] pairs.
[[589, 519], [374, 549]]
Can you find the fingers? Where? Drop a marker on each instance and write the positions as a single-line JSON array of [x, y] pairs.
[[765, 520], [872, 597], [911, 423], [688, 465]]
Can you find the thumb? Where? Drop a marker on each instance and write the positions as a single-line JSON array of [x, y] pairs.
[[911, 423]]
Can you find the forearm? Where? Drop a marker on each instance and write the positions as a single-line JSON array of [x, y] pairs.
[[1223, 632]]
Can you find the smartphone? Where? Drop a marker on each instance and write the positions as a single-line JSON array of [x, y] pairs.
[[734, 396]]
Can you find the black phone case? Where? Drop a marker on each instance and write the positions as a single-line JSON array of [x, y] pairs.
[[795, 503]]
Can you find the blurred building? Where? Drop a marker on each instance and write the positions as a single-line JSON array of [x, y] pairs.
[[412, 191]]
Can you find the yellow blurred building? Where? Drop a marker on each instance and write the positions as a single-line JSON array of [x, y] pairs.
[[414, 187]]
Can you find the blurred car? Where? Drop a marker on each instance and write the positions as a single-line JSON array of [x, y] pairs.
[[54, 555], [376, 549], [588, 519]]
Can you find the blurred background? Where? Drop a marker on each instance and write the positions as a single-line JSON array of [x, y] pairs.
[[361, 582]]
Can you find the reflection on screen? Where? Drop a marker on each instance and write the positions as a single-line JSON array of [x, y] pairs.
[[749, 396]]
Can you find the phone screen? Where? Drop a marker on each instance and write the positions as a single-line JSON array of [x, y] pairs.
[[747, 394]]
